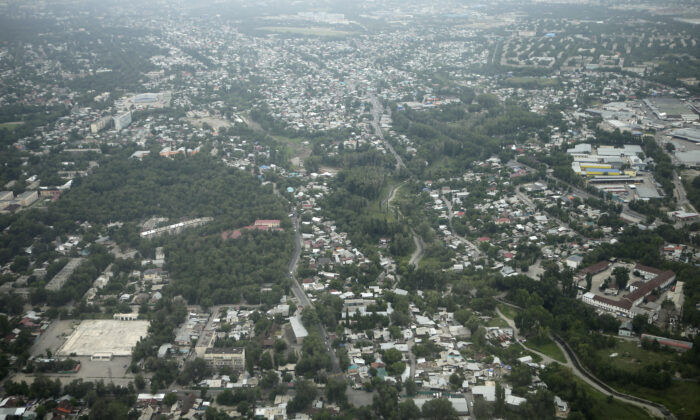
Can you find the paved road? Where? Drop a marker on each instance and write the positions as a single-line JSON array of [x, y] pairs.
[[420, 250], [377, 111], [516, 335], [303, 298], [450, 215]]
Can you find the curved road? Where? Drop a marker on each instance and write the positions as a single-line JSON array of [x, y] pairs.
[[572, 362], [417, 239]]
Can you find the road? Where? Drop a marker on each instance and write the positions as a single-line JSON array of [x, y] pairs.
[[417, 239], [377, 111], [516, 335], [681, 195], [418, 253], [525, 199], [477, 252], [301, 296], [654, 409]]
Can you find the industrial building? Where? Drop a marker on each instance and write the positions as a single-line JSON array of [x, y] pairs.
[[690, 134]]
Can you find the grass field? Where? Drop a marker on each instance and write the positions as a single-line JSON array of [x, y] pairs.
[[497, 322], [631, 357], [547, 347], [509, 311], [10, 125], [681, 397], [309, 31], [532, 82], [602, 409]]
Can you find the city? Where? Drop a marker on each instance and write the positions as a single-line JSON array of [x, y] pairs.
[[325, 209]]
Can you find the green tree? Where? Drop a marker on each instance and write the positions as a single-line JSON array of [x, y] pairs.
[[408, 410], [622, 277], [439, 409], [304, 394], [411, 387], [139, 382], [335, 391], [170, 399]]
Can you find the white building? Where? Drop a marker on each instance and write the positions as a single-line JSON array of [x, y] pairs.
[[122, 121]]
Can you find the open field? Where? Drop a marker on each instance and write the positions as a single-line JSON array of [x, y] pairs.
[[299, 149], [531, 82], [547, 347], [631, 356], [602, 408], [681, 397], [509, 311], [10, 125], [497, 322], [110, 371], [309, 31], [214, 123]]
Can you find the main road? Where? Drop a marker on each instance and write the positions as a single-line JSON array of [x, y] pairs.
[[377, 111]]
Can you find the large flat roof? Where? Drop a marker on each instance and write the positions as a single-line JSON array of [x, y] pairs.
[[298, 327]]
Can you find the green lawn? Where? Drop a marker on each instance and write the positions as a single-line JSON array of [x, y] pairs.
[[631, 357], [508, 311], [497, 322], [547, 347], [681, 397], [10, 125], [619, 410]]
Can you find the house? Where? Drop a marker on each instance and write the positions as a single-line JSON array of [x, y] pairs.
[[574, 261], [298, 328], [625, 329], [561, 406]]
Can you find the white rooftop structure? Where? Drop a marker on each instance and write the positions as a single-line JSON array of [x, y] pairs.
[[298, 327]]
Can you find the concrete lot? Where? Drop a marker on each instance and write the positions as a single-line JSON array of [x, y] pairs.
[[599, 278], [53, 338], [104, 336], [114, 371]]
